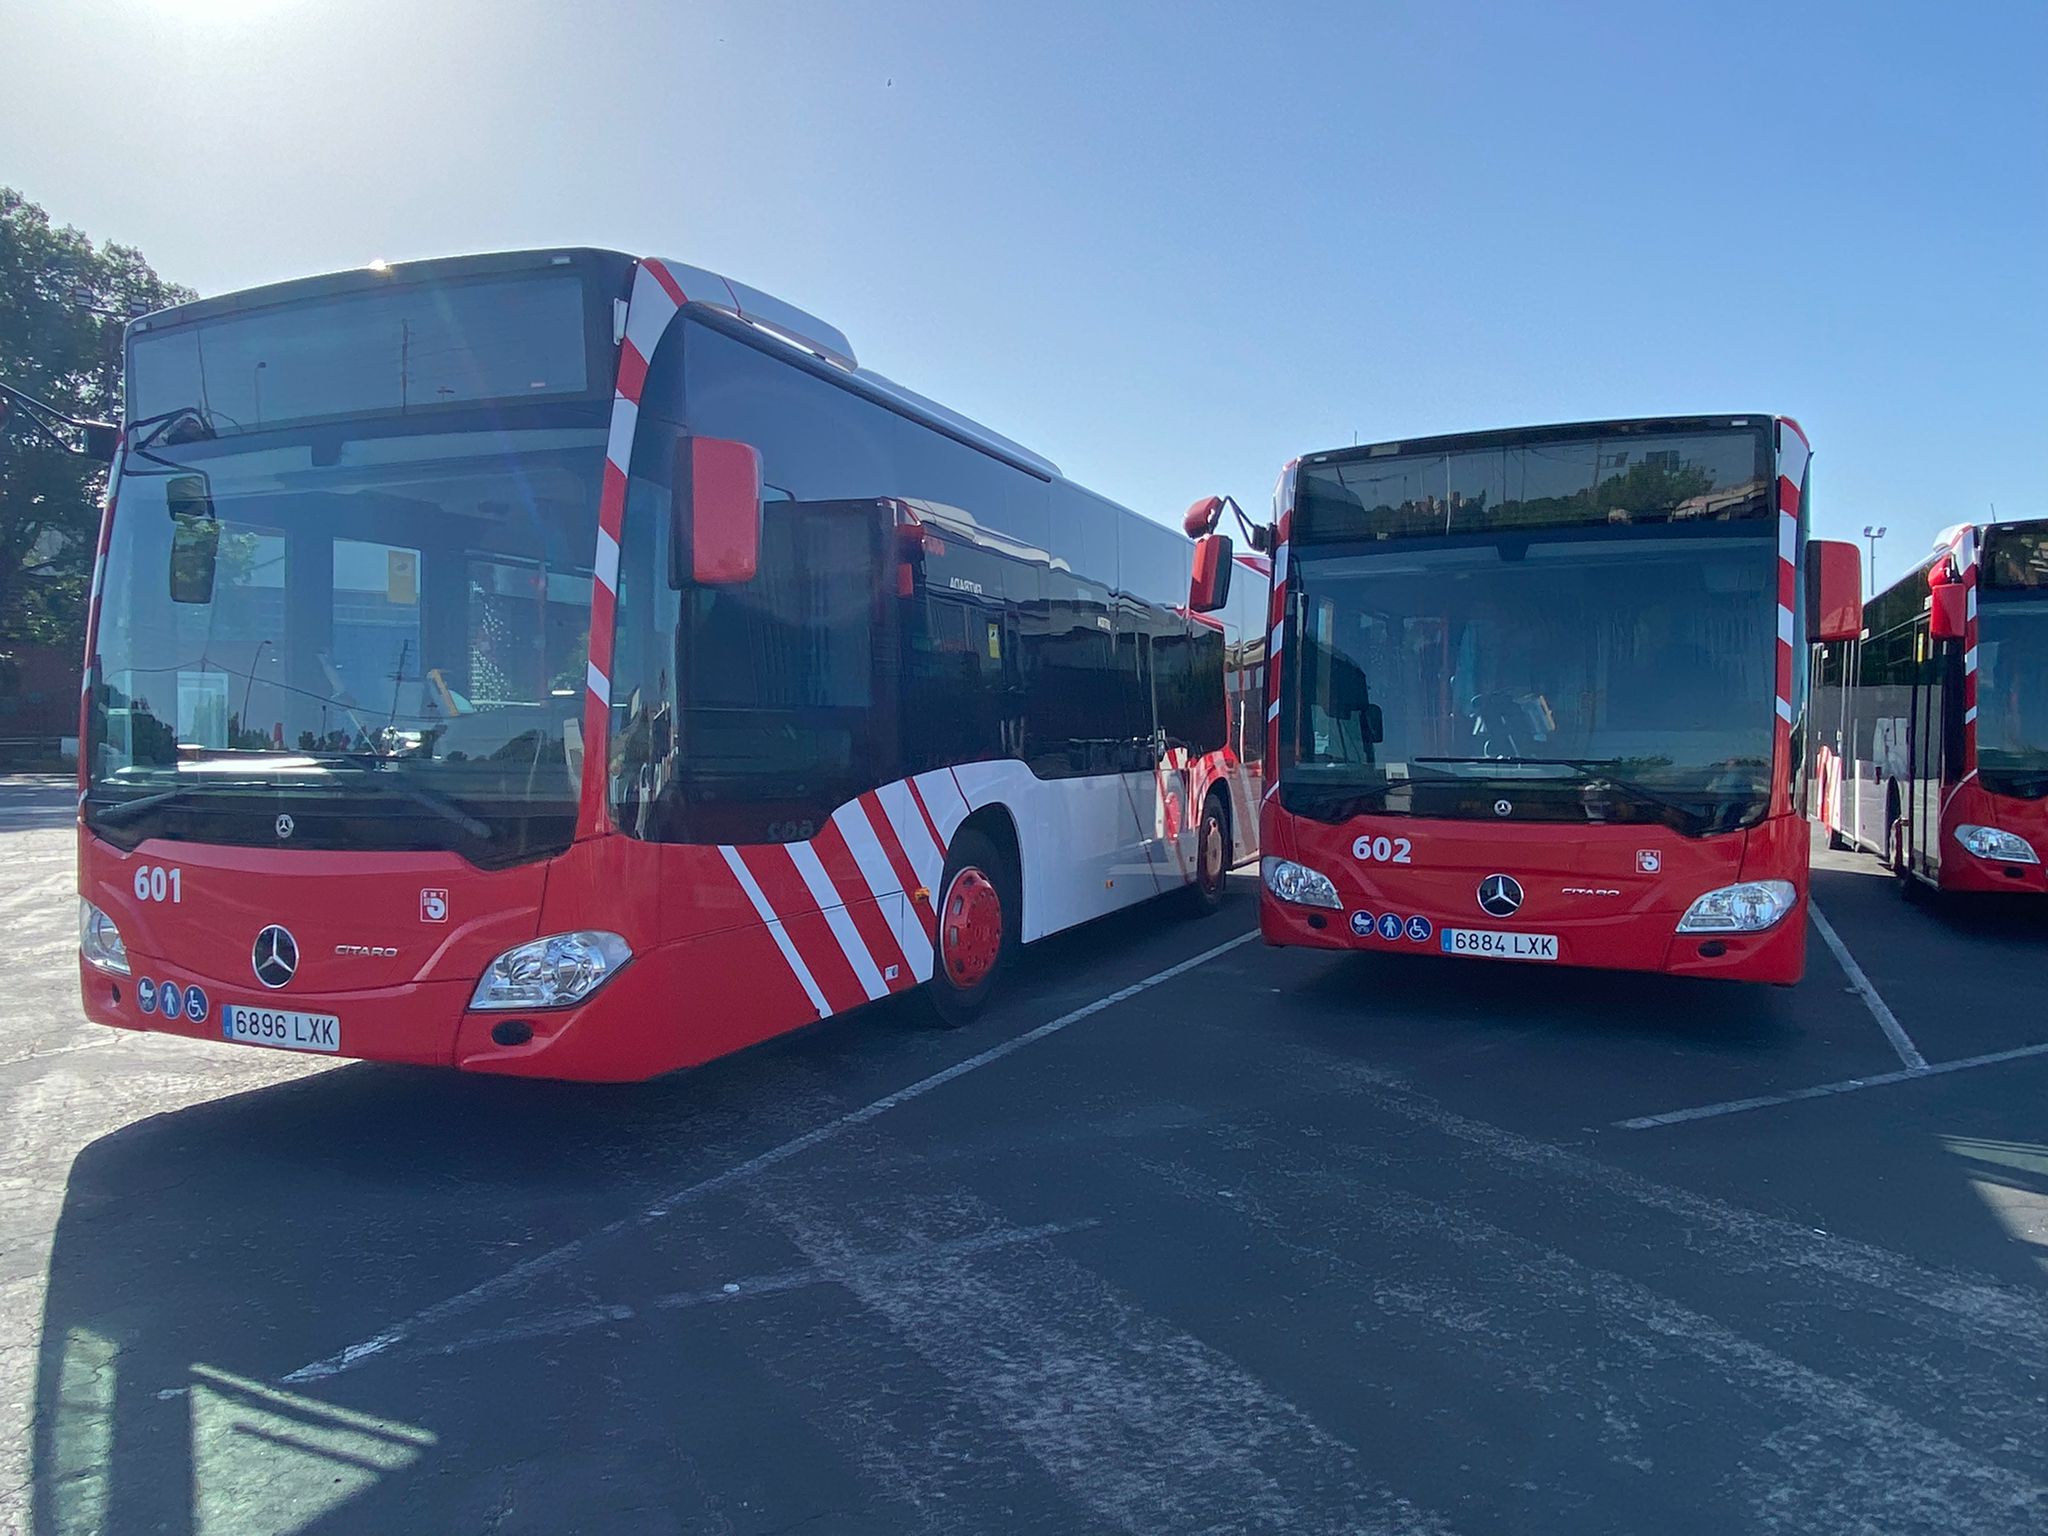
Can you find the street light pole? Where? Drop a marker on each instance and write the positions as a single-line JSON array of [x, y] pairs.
[[1871, 536]]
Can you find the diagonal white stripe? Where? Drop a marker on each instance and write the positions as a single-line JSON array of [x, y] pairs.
[[599, 685], [647, 317], [608, 562], [833, 905], [942, 793], [912, 833], [880, 875], [1788, 538], [776, 932], [619, 446]]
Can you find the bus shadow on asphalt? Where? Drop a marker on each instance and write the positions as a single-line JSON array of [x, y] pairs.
[[235, 1239]]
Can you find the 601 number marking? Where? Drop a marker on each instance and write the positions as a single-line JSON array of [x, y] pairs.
[[155, 882], [1382, 850]]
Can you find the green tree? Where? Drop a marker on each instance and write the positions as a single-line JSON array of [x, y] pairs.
[[54, 345]]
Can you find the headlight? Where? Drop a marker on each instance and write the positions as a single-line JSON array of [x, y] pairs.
[[99, 940], [554, 972], [1749, 907], [1991, 843], [1298, 883]]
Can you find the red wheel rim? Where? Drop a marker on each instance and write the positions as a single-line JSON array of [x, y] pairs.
[[1212, 852], [970, 928]]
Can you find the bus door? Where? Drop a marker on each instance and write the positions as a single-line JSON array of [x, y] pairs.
[[1925, 734]]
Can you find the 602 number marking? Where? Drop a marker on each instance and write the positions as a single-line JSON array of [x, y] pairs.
[[156, 882], [1382, 850]]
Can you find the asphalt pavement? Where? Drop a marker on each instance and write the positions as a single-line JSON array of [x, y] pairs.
[[1185, 1235]]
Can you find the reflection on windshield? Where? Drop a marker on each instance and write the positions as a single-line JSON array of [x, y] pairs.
[[1680, 477], [414, 620], [2012, 689], [1623, 680]]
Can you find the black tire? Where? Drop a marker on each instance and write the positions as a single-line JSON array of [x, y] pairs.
[[964, 968], [1212, 856]]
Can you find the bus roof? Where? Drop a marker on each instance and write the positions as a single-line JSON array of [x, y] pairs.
[[763, 311]]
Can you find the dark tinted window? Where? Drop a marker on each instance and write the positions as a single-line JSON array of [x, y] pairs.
[[997, 615], [397, 350], [1627, 479]]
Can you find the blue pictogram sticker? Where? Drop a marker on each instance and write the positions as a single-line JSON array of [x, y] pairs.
[[1361, 923], [170, 1000], [145, 994], [1419, 930], [1390, 926], [196, 1004]]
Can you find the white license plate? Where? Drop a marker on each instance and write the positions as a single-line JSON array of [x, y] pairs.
[[1493, 944], [280, 1027]]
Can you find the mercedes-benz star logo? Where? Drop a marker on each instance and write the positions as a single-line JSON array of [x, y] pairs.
[[1503, 807], [275, 957], [1500, 896], [285, 826]]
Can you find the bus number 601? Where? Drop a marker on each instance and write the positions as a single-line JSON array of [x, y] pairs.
[[153, 882], [1382, 850]]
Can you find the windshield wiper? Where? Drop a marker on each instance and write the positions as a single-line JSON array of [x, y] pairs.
[[1593, 769], [377, 766], [108, 815]]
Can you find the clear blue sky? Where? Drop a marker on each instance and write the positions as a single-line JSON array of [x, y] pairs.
[[1169, 246]]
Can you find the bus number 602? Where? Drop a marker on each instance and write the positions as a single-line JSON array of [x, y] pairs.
[[1382, 850]]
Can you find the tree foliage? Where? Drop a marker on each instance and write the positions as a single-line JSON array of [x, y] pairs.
[[54, 346]]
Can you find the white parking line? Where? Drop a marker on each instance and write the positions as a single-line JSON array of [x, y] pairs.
[[520, 1274], [1887, 1021], [1827, 1090]]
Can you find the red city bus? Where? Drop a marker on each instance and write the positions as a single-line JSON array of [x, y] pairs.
[[565, 664], [1533, 697], [1932, 725]]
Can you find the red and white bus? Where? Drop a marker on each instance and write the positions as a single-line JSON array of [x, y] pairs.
[[1932, 725], [566, 664], [1533, 696]]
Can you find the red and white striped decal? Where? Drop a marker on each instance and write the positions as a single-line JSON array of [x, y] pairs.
[[1276, 613], [827, 902], [1793, 452], [655, 299], [1965, 549]]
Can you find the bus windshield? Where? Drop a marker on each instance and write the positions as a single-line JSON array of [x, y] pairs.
[[1579, 679], [385, 651], [2012, 694]]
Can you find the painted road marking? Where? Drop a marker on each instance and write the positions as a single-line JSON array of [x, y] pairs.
[[520, 1274], [1887, 1021], [1827, 1090]]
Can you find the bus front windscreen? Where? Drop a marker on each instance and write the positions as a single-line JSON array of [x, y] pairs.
[[2012, 694], [1569, 678], [380, 643]]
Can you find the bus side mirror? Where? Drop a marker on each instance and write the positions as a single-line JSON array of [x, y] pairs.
[[1200, 518], [102, 440], [1945, 611], [715, 513], [1834, 590], [195, 539], [1209, 586]]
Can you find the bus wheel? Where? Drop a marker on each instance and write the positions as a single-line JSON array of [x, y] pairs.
[[1212, 856], [976, 923]]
